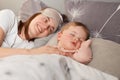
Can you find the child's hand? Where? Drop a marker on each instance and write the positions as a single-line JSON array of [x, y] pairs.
[[86, 43], [84, 54]]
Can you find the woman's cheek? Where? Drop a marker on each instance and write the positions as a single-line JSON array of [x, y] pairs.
[[44, 34]]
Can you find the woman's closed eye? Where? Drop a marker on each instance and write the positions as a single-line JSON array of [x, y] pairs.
[[51, 29], [46, 19]]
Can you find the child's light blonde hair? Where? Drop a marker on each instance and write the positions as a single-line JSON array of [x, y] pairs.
[[75, 24]]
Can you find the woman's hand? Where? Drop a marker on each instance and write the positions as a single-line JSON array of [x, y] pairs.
[[45, 49], [2, 35], [68, 54], [50, 49], [15, 51]]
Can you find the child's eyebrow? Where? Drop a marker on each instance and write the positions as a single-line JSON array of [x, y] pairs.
[[74, 32]]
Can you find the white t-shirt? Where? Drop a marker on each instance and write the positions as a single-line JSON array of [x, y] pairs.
[[9, 23]]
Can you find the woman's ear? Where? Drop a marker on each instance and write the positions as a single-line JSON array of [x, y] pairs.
[[59, 35]]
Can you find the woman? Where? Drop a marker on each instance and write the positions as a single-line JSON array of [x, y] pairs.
[[22, 35]]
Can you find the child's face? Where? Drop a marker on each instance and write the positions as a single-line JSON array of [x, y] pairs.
[[71, 38]]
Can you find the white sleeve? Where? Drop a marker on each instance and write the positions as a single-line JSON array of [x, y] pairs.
[[7, 19]]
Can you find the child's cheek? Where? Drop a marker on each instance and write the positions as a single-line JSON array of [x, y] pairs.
[[67, 37]]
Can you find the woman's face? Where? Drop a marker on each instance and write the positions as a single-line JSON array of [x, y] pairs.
[[71, 38], [41, 26]]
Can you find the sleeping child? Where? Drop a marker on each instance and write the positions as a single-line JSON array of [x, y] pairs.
[[73, 41]]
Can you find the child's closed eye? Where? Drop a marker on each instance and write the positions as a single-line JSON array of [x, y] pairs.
[[72, 34]]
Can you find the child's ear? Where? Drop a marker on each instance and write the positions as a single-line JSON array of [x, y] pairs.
[[59, 35]]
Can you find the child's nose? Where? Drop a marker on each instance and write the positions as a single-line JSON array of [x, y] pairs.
[[76, 39]]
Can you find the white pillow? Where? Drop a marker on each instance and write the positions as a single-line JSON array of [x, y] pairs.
[[106, 56], [53, 40], [42, 41]]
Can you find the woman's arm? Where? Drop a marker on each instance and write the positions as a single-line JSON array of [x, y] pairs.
[[45, 49], [12, 51], [42, 50], [1, 36]]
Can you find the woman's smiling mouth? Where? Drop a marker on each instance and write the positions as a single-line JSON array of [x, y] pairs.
[[38, 29]]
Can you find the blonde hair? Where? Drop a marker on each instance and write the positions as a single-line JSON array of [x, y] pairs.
[[75, 24]]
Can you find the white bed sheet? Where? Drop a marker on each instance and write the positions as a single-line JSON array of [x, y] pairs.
[[48, 67]]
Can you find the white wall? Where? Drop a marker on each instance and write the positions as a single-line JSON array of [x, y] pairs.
[[59, 4], [106, 0], [11, 4], [15, 4]]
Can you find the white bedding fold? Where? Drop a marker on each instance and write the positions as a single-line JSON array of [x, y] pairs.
[[47, 67]]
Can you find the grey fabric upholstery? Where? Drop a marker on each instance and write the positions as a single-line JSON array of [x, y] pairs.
[[95, 14], [106, 56]]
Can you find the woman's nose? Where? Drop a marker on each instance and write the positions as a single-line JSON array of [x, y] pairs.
[[45, 26]]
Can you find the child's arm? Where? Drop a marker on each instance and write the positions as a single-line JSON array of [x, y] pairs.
[[84, 54]]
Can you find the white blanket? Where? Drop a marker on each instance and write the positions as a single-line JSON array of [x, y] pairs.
[[47, 67]]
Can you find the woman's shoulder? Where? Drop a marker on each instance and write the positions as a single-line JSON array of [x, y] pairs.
[[7, 19], [7, 12]]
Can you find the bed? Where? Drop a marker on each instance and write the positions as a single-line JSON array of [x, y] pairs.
[[102, 18], [48, 67]]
